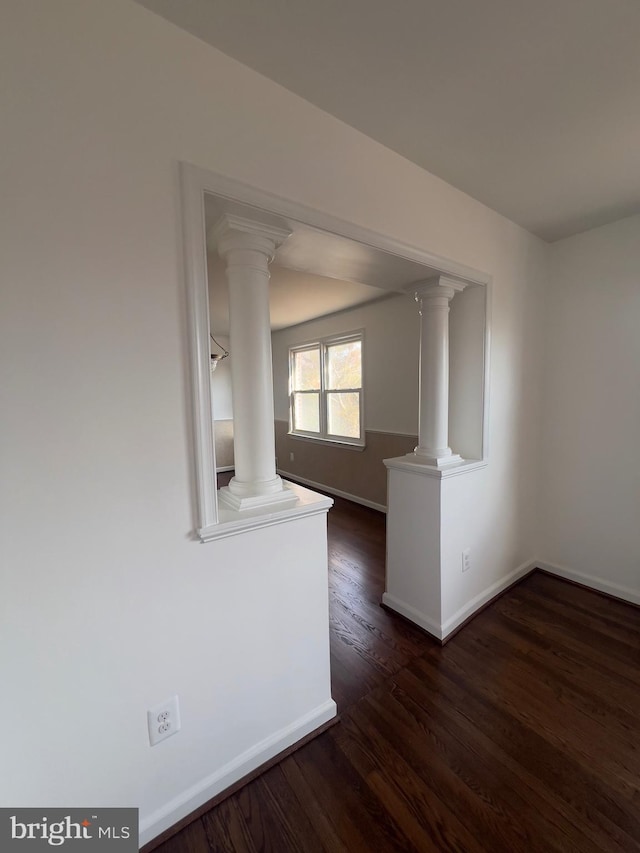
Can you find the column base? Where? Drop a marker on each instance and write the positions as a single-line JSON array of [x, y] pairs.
[[241, 503], [439, 459]]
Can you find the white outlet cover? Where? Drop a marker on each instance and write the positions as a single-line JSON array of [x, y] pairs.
[[163, 720]]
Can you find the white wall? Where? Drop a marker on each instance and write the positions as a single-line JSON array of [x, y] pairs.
[[390, 367], [591, 501], [99, 102]]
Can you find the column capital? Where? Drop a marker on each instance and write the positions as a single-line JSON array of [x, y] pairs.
[[437, 286], [238, 232]]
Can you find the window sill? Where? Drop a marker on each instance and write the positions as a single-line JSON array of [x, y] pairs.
[[329, 442]]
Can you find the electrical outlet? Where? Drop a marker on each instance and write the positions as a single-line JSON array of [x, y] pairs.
[[291, 457], [163, 720], [466, 560]]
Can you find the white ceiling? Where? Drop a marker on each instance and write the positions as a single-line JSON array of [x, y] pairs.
[[294, 297], [313, 274], [530, 106]]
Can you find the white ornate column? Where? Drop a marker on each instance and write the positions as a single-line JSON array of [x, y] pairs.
[[433, 297], [248, 247], [428, 499]]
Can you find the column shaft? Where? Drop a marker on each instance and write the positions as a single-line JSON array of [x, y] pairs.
[[248, 247], [433, 438], [433, 297], [251, 374]]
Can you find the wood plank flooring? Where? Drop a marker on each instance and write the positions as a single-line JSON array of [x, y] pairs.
[[521, 734]]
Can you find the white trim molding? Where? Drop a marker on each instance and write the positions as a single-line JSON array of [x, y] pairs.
[[624, 593], [413, 615], [195, 260], [475, 605], [252, 759], [232, 523], [443, 630], [479, 601], [237, 191]]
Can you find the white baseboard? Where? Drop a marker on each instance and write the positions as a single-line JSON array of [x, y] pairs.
[[248, 761], [600, 584], [441, 632], [413, 615], [221, 468], [323, 488], [486, 595]]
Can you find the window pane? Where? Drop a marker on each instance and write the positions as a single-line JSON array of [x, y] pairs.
[[306, 412], [344, 368], [343, 414], [306, 369]]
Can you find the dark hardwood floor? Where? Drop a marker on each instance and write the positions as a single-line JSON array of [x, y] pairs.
[[521, 734]]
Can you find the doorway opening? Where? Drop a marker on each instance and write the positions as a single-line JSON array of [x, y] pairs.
[[330, 277]]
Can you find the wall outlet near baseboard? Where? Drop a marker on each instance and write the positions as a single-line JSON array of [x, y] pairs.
[[163, 720], [466, 560], [291, 457]]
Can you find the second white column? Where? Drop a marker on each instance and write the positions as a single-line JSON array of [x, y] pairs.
[[433, 297]]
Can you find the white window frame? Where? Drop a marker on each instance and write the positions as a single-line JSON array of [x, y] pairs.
[[323, 344]]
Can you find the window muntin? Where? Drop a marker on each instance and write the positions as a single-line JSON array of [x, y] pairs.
[[326, 399]]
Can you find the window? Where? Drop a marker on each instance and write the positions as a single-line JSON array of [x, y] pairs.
[[325, 389]]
